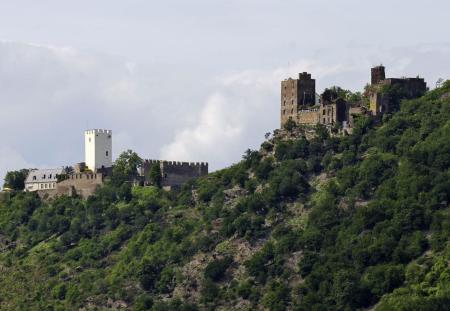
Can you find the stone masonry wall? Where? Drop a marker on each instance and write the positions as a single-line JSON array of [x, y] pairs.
[[175, 174], [83, 184]]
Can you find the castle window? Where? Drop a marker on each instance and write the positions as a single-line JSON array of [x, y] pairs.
[[34, 177], [50, 176], [43, 176], [106, 153]]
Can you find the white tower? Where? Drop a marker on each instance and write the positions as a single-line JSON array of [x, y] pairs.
[[98, 149]]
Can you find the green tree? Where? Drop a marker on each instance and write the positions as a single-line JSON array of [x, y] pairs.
[[16, 179], [126, 167], [155, 175]]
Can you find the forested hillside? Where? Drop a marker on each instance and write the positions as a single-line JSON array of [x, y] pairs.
[[308, 222]]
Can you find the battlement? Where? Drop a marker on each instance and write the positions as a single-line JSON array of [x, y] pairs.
[[304, 76], [90, 176], [174, 173], [98, 131], [177, 163]]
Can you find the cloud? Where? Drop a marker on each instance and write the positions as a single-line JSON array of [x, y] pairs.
[[245, 105], [49, 95], [11, 160], [217, 126]]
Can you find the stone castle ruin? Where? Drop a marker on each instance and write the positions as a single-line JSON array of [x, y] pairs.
[[299, 104], [382, 102]]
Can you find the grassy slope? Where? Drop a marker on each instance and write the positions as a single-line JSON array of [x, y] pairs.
[[318, 224]]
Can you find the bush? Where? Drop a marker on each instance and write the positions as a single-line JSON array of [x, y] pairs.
[[215, 270]]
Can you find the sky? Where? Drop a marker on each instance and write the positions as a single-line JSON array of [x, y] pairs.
[[190, 80]]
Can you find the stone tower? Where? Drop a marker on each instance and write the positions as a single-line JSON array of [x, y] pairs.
[[297, 94], [378, 74], [98, 149]]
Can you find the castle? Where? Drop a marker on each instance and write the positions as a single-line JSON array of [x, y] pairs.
[[85, 177], [380, 102], [299, 104]]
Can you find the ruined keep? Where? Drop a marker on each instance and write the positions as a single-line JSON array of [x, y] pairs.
[[298, 103], [381, 101], [377, 74], [297, 95], [174, 174]]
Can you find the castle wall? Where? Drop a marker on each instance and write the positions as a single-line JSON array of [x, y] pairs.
[[83, 184], [333, 112], [414, 87], [379, 103], [174, 173], [310, 117]]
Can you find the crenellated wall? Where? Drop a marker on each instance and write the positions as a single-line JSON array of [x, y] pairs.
[[83, 184], [175, 173]]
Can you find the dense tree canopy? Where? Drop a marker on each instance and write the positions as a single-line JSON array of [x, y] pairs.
[[15, 180], [317, 223]]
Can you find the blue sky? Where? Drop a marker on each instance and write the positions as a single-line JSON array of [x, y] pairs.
[[190, 80]]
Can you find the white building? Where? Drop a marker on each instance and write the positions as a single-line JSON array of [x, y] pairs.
[[44, 179], [98, 149]]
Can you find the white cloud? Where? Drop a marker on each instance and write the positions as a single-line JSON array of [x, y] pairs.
[[245, 105], [11, 160], [50, 95], [217, 131]]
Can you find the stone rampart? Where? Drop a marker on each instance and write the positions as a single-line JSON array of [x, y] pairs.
[[83, 184], [175, 173]]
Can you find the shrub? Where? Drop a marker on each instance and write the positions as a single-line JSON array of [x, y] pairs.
[[215, 270]]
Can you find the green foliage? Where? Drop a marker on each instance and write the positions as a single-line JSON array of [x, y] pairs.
[[324, 223], [125, 167], [155, 175], [290, 125], [15, 180], [215, 270]]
